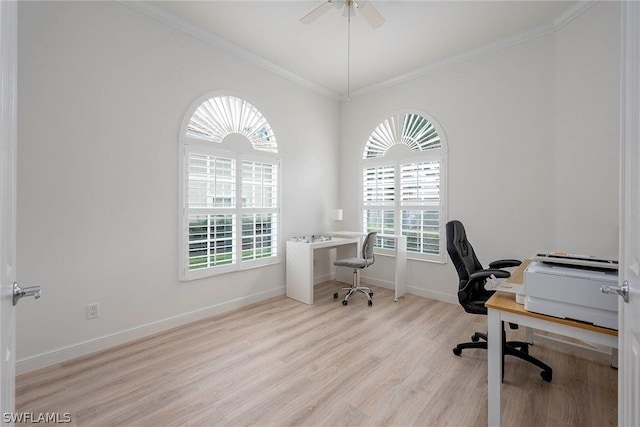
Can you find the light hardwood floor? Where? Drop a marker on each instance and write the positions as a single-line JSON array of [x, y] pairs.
[[283, 363]]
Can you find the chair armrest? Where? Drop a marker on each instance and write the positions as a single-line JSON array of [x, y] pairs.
[[504, 263], [478, 277], [488, 272]]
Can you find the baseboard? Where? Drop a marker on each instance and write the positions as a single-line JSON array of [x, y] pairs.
[[64, 354], [324, 278], [439, 296], [421, 292]]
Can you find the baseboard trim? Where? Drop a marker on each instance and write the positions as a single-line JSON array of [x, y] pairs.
[[438, 296], [324, 278], [67, 353], [421, 292]]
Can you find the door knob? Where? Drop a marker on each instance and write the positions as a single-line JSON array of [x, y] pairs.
[[623, 290], [19, 292]]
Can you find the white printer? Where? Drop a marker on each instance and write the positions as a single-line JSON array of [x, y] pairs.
[[572, 292]]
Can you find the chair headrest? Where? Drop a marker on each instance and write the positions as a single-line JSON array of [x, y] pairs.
[[460, 250]]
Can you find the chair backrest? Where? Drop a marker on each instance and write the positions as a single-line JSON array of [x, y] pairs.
[[461, 252], [471, 298], [367, 247]]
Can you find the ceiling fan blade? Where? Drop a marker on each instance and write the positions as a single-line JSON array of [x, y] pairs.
[[371, 14], [315, 13]]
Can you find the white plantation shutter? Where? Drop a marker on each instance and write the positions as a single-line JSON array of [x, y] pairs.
[[259, 184], [420, 202], [403, 193], [211, 240], [220, 116], [379, 186], [420, 184], [211, 210], [412, 130], [379, 199], [211, 181], [259, 236], [259, 209], [230, 215]]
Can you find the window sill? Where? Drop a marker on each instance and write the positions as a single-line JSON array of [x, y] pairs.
[[218, 271], [390, 253]]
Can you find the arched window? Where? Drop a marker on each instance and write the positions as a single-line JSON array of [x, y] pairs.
[[229, 181], [403, 184]]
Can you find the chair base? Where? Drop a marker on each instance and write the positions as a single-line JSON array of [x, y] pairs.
[[355, 288], [518, 349]]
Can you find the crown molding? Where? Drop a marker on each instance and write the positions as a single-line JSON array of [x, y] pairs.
[[148, 9], [574, 11], [558, 22], [497, 46], [458, 59]]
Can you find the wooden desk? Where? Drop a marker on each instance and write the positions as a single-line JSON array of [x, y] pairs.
[[502, 307]]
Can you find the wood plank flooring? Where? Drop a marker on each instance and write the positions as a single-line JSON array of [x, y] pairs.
[[283, 363]]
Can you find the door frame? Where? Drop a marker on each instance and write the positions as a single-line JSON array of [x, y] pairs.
[[8, 163], [628, 366]]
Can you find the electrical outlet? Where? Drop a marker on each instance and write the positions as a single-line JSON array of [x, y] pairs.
[[93, 311]]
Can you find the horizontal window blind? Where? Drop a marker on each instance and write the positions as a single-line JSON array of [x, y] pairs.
[[259, 184], [420, 183], [211, 181], [379, 186], [211, 241], [422, 228], [259, 236], [382, 221]]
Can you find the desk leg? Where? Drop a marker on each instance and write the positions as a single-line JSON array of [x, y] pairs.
[[528, 335], [494, 363], [401, 267]]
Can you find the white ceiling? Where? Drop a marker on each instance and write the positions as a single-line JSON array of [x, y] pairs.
[[416, 35]]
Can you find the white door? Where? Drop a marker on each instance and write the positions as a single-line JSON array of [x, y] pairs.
[[629, 333], [8, 46]]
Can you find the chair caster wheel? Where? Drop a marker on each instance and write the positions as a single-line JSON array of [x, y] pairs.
[[475, 338], [344, 302], [370, 294], [370, 303], [457, 351], [546, 375], [335, 296]]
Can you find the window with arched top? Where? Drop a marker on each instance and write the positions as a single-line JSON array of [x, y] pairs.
[[230, 187], [403, 184], [220, 116]]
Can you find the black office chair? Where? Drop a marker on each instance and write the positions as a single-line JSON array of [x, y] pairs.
[[357, 264], [472, 294]]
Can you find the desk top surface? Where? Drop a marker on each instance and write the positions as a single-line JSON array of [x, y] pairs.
[[318, 244], [517, 276]]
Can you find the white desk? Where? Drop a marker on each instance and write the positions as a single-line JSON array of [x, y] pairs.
[[400, 253], [300, 263], [502, 307]]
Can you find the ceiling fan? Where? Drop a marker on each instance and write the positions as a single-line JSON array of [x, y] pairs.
[[365, 8]]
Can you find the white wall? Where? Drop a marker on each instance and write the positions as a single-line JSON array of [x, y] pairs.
[[516, 122], [102, 92], [586, 112]]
